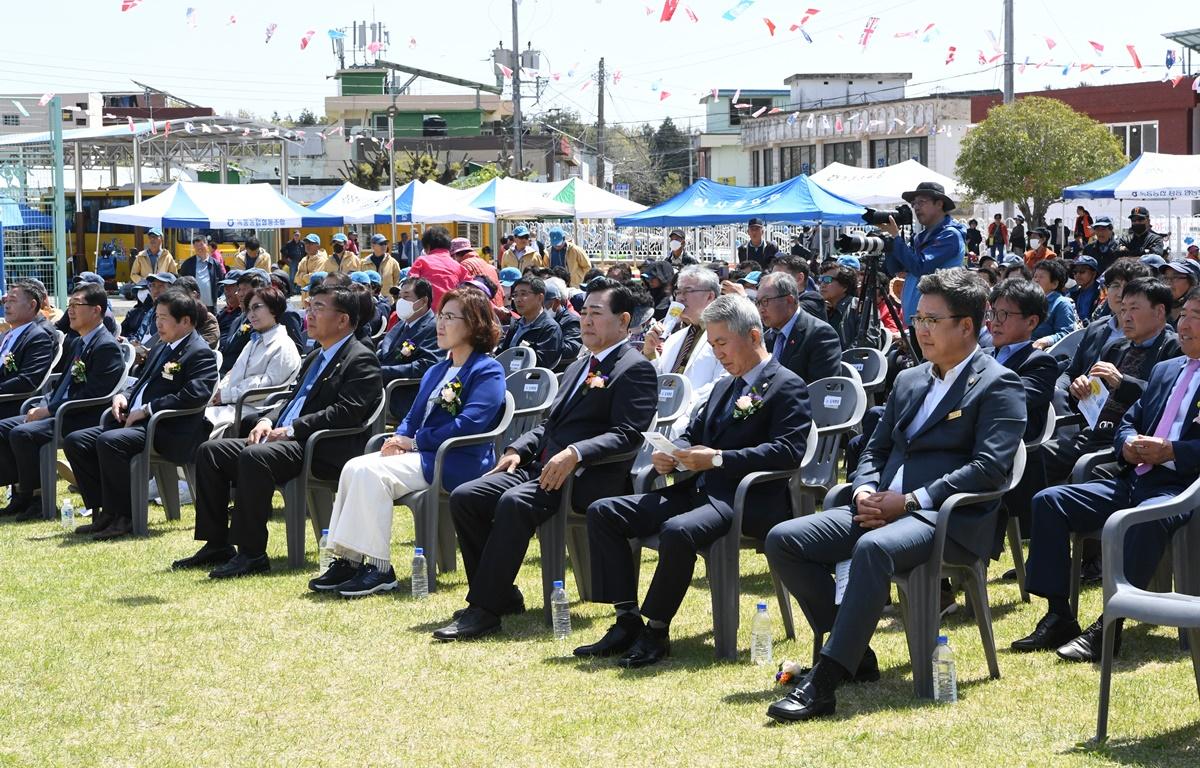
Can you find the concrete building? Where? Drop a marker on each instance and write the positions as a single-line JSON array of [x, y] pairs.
[[97, 109], [719, 154]]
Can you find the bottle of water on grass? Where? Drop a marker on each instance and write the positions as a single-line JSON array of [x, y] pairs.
[[945, 681], [760, 637], [67, 516], [325, 551], [420, 574], [560, 611]]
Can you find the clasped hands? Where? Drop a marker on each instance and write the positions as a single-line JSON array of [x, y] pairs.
[[263, 432], [555, 471], [122, 414], [694, 459], [876, 509], [1141, 449]]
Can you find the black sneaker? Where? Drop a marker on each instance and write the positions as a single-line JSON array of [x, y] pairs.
[[340, 571], [368, 581]]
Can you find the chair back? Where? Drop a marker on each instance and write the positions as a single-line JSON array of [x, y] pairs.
[[838, 405], [1065, 347], [674, 397], [1047, 434], [533, 390], [850, 372], [869, 364], [128, 353], [517, 359]]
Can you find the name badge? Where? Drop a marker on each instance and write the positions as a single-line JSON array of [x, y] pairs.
[[954, 415]]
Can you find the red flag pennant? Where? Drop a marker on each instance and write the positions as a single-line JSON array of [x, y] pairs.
[[774, 110], [950, 54], [736, 95], [691, 14], [808, 15], [1133, 55], [505, 71], [1175, 80], [1050, 43], [129, 5], [668, 10], [307, 37], [1085, 67], [1097, 46], [758, 112], [770, 25], [982, 58], [868, 30], [131, 128], [663, 95]]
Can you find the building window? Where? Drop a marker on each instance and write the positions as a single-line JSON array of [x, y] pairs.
[[1137, 138], [845, 152], [892, 151], [768, 167], [755, 168], [794, 161], [736, 115], [12, 119]]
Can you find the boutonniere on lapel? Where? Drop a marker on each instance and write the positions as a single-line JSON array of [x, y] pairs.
[[595, 380], [526, 344], [170, 369], [245, 328], [747, 404], [450, 398], [1197, 419], [407, 348], [78, 372], [10, 363]]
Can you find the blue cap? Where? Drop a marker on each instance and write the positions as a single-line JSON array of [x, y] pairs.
[[1013, 260], [752, 278], [520, 231], [360, 277], [850, 261], [314, 279], [340, 237], [162, 277], [378, 239], [1185, 267], [1103, 221], [557, 236], [509, 275], [312, 238], [1153, 260], [374, 277], [90, 277], [231, 277], [1086, 261], [154, 231], [404, 273]]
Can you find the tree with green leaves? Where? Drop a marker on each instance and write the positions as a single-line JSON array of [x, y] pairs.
[[1029, 150], [306, 117], [669, 148]]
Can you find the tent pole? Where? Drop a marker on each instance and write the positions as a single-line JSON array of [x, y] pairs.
[[137, 171]]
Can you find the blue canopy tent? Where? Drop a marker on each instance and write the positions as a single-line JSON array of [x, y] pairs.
[[799, 200]]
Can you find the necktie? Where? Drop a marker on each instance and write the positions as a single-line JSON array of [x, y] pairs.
[[725, 415], [255, 336], [293, 408], [777, 347], [685, 350], [1172, 410], [7, 344]]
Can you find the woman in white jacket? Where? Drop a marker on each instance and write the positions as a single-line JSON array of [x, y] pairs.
[[269, 359]]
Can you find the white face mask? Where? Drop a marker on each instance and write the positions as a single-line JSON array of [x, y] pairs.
[[1034, 243], [404, 309], [142, 295], [751, 294], [676, 245]]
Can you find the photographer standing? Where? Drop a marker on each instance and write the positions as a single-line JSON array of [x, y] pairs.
[[940, 245]]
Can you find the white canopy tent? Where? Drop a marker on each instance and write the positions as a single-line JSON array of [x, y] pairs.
[[509, 198], [422, 202], [882, 186], [350, 199], [187, 204], [590, 201]]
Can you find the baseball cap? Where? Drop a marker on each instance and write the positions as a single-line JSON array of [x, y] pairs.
[[1154, 261], [557, 236], [162, 277], [460, 244], [752, 278], [90, 277], [154, 232], [1184, 267], [521, 231], [314, 279], [509, 275], [378, 239], [850, 261], [231, 277], [374, 277], [677, 233], [1102, 221], [1086, 261], [360, 277], [756, 222], [312, 238], [1139, 210], [404, 273], [340, 237], [556, 289]]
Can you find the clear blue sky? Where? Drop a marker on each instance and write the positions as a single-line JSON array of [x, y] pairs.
[[79, 45]]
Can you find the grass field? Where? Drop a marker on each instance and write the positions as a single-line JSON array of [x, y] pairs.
[[112, 659]]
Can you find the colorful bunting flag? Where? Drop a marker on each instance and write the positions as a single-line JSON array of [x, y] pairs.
[[1049, 42], [808, 15], [1170, 58], [271, 31], [1133, 55], [737, 10], [664, 95], [45, 99], [950, 54], [129, 5], [868, 30], [668, 9], [691, 14], [758, 112], [336, 34], [770, 25], [308, 36], [374, 46], [505, 71], [191, 18], [1097, 46]]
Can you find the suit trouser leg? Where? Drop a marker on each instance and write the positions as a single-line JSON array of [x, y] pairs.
[[473, 509], [26, 442], [611, 523], [259, 469], [114, 449], [679, 542], [216, 470], [80, 448], [8, 456]]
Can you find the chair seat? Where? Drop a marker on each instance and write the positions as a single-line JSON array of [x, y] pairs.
[[1165, 608]]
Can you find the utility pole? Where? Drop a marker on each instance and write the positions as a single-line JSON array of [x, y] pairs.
[[600, 175], [1008, 75], [518, 162]]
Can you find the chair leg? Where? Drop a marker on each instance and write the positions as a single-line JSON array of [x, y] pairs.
[[1076, 571], [139, 492], [424, 509], [1018, 555], [580, 556], [167, 479], [723, 584], [294, 515], [976, 587], [552, 538], [1106, 664], [47, 461], [785, 607], [447, 554], [920, 593]]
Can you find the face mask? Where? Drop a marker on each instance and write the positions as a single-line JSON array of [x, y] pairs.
[[751, 294], [676, 245], [1137, 227], [142, 295], [404, 309], [1034, 243]]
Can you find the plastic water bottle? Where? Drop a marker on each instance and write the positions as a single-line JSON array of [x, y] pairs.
[[325, 551], [420, 574], [945, 680], [760, 637], [67, 516], [560, 611]]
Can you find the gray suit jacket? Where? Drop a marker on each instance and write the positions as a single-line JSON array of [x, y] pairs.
[[966, 444]]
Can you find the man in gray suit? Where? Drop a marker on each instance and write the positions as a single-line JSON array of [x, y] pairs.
[[951, 425]]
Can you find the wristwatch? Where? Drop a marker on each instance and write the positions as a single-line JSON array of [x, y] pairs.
[[911, 504], [291, 432], [718, 461]]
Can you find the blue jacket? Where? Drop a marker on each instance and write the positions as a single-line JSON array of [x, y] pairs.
[[1142, 419], [482, 397], [1085, 300], [942, 246], [1060, 318]]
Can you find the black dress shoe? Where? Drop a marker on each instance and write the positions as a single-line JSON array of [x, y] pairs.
[[475, 622], [17, 504], [619, 638], [652, 646], [209, 554], [121, 526], [241, 565], [868, 669], [32, 512], [100, 521], [514, 607], [804, 703], [1089, 645], [1051, 632]]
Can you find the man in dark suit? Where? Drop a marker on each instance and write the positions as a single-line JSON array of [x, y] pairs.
[[568, 322], [239, 330], [410, 347], [756, 419], [27, 348], [1107, 329], [181, 373], [231, 313], [1018, 306], [606, 401], [804, 345], [535, 327], [951, 425], [1123, 368], [338, 388], [1158, 452], [811, 300], [207, 271], [94, 366]]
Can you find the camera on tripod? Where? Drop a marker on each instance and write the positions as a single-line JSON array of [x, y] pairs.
[[872, 243], [877, 218]]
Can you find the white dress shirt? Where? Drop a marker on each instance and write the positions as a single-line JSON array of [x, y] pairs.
[[137, 401], [702, 372], [268, 361]]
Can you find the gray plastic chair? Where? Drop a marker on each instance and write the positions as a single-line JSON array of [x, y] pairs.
[[838, 405], [517, 359], [1064, 348], [674, 397], [431, 514], [48, 455], [723, 557], [533, 391], [256, 396], [1122, 600], [386, 420], [309, 497], [850, 372], [44, 384], [1013, 531], [129, 354], [870, 364], [920, 588]]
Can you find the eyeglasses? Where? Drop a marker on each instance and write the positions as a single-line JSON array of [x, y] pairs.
[[685, 291], [825, 279], [256, 306], [315, 308], [998, 315], [928, 322], [762, 301], [446, 317]]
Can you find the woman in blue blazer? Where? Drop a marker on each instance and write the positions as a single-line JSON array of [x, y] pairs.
[[462, 395], [1060, 319]]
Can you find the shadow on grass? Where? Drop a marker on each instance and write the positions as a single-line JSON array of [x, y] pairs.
[[1177, 746], [137, 601]]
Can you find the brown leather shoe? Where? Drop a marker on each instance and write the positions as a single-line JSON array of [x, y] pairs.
[[100, 521], [122, 526]]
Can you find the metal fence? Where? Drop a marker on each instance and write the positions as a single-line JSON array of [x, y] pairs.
[[32, 217]]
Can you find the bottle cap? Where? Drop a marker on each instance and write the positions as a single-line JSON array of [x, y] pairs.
[[324, 531], [419, 551], [762, 606], [943, 640], [558, 585]]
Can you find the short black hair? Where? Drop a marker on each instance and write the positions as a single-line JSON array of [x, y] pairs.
[[436, 238], [421, 287], [91, 294], [592, 273], [749, 265], [620, 298], [844, 276], [338, 279], [990, 274], [198, 238], [965, 294], [561, 272], [251, 278], [189, 284], [1127, 270], [180, 303], [535, 284], [33, 291], [366, 303], [797, 265], [1192, 295], [1007, 271], [1026, 294], [252, 244], [1154, 289], [973, 222], [1056, 269], [344, 300], [623, 273], [273, 299]]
